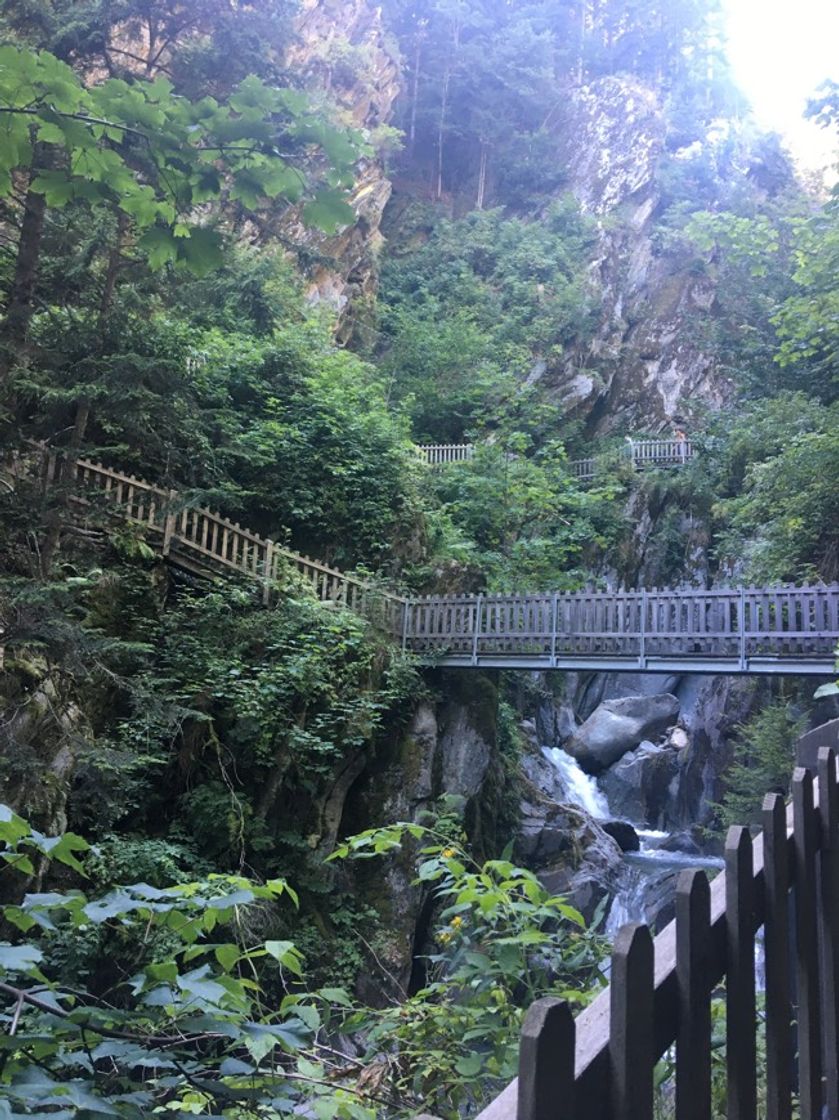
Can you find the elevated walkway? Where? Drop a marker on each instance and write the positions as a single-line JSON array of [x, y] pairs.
[[791, 630]]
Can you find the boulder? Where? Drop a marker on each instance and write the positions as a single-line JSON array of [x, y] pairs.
[[572, 855], [640, 786], [617, 726], [623, 834]]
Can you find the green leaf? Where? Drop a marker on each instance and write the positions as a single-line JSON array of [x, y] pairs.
[[227, 956], [12, 827], [470, 1065], [159, 246], [19, 958], [287, 955], [328, 211], [201, 252]]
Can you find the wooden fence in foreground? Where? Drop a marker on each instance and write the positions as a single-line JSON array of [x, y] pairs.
[[780, 1054]]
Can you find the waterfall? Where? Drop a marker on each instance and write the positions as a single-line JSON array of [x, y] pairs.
[[648, 878], [580, 788]]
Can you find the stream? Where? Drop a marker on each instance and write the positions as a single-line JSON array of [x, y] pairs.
[[647, 883]]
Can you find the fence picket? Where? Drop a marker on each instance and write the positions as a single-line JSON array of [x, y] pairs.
[[776, 949], [807, 946], [741, 1048], [546, 1062], [693, 1040], [631, 1050], [828, 909]]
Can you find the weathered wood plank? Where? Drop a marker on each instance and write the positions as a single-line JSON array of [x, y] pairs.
[[807, 946], [631, 1027], [693, 1040], [546, 1062], [741, 1018], [776, 948]]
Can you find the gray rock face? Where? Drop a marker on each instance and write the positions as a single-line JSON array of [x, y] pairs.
[[639, 786], [623, 834], [617, 726]]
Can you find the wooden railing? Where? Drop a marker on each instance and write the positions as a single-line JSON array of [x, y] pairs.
[[642, 453], [199, 536], [438, 454], [775, 630], [600, 1066], [756, 629]]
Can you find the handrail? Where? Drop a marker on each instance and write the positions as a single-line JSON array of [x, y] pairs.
[[724, 629], [601, 1065], [769, 630], [212, 537], [659, 453]]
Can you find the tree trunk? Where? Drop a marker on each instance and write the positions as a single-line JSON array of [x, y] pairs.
[[14, 331], [412, 127], [441, 130], [482, 176]]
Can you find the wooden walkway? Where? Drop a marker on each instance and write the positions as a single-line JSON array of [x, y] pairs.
[[641, 453], [769, 630], [602, 1065]]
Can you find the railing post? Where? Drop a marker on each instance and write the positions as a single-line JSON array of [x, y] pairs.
[[554, 618], [546, 1062], [642, 650], [631, 1026], [741, 625], [805, 843], [740, 1012], [776, 944], [269, 563], [476, 633], [829, 924], [406, 607], [693, 1038], [169, 523]]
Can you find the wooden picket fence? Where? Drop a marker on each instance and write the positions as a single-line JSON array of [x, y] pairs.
[[440, 454], [601, 1065], [197, 537], [642, 453]]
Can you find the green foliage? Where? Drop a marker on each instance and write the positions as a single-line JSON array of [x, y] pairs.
[[779, 511], [526, 520], [763, 763], [193, 1031], [466, 315], [209, 1016], [155, 155], [501, 941]]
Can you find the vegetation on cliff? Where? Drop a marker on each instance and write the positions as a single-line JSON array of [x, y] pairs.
[[172, 177]]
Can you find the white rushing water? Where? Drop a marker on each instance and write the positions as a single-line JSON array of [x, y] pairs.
[[649, 875], [580, 788]]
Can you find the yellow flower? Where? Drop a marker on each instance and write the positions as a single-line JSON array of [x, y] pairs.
[[448, 853], [457, 921]]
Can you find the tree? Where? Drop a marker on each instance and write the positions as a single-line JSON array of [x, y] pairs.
[[154, 156]]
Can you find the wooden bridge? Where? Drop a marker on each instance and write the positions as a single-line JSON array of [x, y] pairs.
[[602, 1065], [771, 630], [641, 453]]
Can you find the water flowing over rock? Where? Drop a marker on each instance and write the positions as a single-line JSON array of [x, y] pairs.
[[617, 726]]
